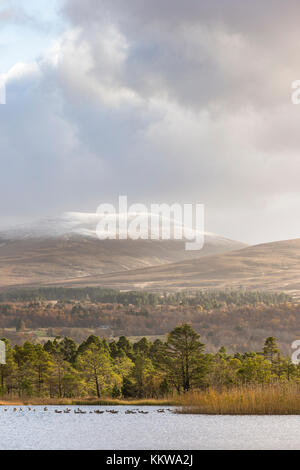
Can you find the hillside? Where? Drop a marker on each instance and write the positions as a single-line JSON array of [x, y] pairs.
[[268, 266], [67, 249]]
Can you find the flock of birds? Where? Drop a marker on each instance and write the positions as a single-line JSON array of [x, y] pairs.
[[98, 412]]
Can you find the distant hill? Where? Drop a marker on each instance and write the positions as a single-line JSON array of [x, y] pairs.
[[268, 266], [67, 249]]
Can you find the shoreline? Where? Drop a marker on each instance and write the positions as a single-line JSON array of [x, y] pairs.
[[180, 409], [272, 400], [87, 402]]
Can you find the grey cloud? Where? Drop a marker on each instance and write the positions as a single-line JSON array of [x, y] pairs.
[[162, 101], [203, 53]]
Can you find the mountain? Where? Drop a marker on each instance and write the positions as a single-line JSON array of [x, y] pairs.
[[66, 251], [269, 266], [67, 248]]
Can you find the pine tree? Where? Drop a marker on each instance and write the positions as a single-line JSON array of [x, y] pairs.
[[184, 358]]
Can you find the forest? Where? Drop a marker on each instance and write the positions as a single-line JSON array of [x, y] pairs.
[[207, 299], [239, 320], [122, 369]]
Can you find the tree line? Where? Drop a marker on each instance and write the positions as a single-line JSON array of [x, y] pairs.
[[206, 299], [97, 368]]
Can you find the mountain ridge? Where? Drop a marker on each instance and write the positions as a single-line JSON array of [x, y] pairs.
[[58, 250], [273, 266]]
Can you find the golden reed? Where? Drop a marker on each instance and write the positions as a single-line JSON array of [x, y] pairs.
[[281, 399]]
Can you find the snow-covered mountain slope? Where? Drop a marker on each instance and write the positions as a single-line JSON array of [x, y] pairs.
[[67, 247], [85, 224]]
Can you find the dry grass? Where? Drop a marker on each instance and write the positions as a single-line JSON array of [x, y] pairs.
[[88, 401], [138, 402], [254, 400]]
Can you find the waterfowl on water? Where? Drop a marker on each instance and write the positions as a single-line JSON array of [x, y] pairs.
[[79, 411]]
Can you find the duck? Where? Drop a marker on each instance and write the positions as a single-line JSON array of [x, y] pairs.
[[80, 412]]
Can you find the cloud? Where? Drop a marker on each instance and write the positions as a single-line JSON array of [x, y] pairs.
[[202, 53], [162, 101]]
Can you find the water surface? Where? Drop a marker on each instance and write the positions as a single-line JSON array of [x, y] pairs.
[[49, 430]]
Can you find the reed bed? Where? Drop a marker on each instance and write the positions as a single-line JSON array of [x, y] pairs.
[[279, 399], [251, 400]]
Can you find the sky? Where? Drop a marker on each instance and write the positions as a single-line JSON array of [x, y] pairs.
[[162, 101]]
